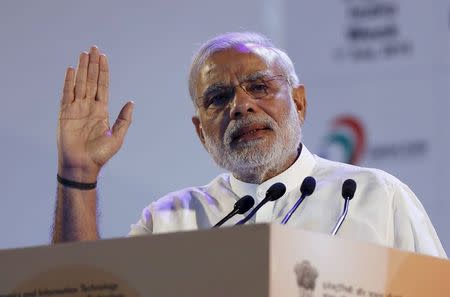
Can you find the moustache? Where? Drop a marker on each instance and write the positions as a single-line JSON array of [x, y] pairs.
[[236, 127]]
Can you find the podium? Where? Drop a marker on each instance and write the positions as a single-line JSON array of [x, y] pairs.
[[251, 261]]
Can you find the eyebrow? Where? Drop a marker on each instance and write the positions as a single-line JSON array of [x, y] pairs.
[[213, 88]]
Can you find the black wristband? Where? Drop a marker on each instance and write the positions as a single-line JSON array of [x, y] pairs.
[[75, 185]]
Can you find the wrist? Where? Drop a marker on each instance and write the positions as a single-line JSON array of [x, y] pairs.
[[76, 185], [78, 175]]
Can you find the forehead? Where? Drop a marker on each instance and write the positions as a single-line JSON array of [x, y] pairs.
[[234, 64]]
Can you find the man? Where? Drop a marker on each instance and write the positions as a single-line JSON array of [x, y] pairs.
[[250, 108]]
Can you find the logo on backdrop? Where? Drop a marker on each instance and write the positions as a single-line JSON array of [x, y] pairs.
[[306, 278], [372, 32], [346, 142]]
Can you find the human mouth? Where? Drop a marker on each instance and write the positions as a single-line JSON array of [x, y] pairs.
[[249, 133]]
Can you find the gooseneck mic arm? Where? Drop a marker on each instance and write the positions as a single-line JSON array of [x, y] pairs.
[[240, 207], [307, 188], [348, 191], [273, 193]]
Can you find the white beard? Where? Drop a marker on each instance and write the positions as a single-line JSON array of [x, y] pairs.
[[256, 157]]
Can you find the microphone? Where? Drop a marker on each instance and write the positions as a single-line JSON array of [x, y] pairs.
[[348, 191], [273, 193], [240, 207], [307, 188]]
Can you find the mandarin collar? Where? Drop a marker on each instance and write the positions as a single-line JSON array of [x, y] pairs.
[[291, 178]]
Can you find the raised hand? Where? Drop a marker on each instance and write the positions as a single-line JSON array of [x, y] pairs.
[[85, 139]]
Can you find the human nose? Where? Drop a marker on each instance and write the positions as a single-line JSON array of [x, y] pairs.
[[242, 104]]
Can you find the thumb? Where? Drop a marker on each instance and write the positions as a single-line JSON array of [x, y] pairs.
[[123, 120]]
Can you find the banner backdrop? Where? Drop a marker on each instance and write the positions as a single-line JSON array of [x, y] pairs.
[[377, 77]]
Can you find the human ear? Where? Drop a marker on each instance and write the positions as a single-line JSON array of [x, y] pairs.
[[299, 97], [198, 128]]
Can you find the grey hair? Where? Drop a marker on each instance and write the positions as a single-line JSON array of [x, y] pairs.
[[233, 40]]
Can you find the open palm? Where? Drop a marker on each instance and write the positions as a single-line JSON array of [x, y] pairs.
[[85, 139]]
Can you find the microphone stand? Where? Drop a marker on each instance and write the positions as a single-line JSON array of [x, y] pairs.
[[342, 217]]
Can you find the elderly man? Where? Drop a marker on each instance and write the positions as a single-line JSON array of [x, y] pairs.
[[250, 108]]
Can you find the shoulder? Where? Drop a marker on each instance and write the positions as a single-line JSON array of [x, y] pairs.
[[364, 176], [182, 199], [178, 210]]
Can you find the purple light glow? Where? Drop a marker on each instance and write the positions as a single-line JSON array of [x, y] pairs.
[[243, 48]]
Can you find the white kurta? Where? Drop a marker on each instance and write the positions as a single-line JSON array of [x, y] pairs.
[[383, 211]]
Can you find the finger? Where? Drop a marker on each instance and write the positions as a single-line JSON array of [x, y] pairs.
[[92, 73], [80, 78], [68, 95], [123, 121], [103, 80]]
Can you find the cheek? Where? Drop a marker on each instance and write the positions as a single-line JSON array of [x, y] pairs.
[[214, 126], [278, 110]]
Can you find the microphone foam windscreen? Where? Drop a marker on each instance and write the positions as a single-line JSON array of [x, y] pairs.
[[308, 186], [244, 204], [275, 191], [348, 188]]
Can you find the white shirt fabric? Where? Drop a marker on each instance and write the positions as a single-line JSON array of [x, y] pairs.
[[383, 210]]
